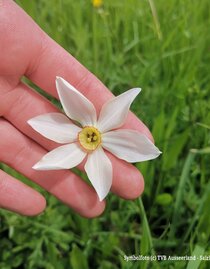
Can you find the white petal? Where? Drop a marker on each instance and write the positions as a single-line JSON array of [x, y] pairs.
[[64, 157], [113, 113], [76, 106], [99, 170], [56, 127], [130, 145]]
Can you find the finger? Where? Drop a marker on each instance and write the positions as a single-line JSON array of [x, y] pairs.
[[128, 182], [17, 197], [41, 59], [21, 153], [30, 104]]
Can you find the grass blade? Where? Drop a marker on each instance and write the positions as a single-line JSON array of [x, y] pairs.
[[180, 191]]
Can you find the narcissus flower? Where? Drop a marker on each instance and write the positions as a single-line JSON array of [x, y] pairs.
[[91, 136]]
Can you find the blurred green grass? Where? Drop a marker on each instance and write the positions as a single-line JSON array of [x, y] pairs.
[[163, 47]]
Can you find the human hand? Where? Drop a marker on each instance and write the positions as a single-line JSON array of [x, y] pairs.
[[25, 50]]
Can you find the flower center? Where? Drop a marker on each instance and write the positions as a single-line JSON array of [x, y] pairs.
[[89, 138]]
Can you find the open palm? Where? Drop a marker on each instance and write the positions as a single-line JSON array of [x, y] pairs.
[[25, 50]]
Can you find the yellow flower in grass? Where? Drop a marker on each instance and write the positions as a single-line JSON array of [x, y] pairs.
[[97, 3]]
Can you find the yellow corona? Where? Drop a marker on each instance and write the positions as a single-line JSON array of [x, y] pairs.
[[89, 138]]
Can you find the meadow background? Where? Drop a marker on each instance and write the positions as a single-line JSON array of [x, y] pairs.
[[163, 47]]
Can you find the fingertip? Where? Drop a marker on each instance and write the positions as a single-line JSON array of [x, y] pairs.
[[17, 197], [128, 182], [35, 207], [138, 184], [135, 184], [95, 211]]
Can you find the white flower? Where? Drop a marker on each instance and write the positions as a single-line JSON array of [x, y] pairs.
[[92, 136]]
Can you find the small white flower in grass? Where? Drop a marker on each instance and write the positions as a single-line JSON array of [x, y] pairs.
[[93, 135]]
